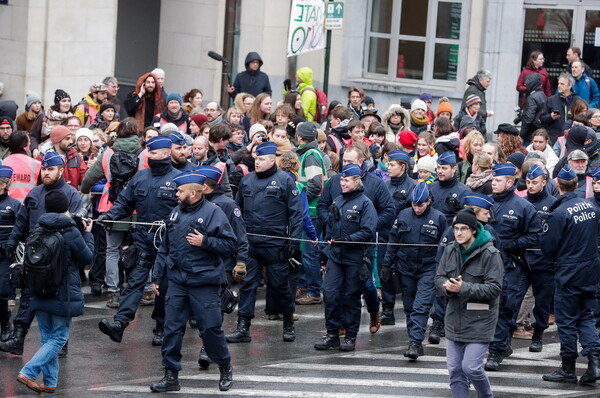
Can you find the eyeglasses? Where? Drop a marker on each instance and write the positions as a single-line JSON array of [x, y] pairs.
[[210, 110], [461, 229], [73, 127], [5, 128]]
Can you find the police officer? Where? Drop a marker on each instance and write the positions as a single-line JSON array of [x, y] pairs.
[[482, 206], [570, 239], [376, 191], [152, 194], [353, 218], [447, 196], [198, 236], [418, 225], [400, 187], [234, 265], [541, 273], [178, 152], [27, 219], [518, 226], [595, 200], [9, 207], [270, 205]]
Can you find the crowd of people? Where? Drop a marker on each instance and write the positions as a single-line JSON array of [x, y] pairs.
[[325, 204]]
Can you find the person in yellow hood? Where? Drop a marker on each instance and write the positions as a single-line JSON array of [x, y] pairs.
[[308, 94]]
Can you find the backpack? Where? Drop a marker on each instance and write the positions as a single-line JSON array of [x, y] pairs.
[[322, 110], [122, 167], [43, 269], [86, 112]]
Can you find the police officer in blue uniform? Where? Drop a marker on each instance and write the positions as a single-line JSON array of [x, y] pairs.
[[400, 187], [518, 226], [270, 204], [421, 224], [447, 196], [377, 192], [8, 214], [353, 218], [152, 194], [178, 152], [197, 238], [541, 269], [27, 219], [570, 239], [482, 206], [595, 200]]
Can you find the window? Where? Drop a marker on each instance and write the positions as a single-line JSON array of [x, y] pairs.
[[416, 40]]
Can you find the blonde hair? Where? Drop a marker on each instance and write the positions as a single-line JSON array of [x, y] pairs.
[[469, 139], [483, 160]]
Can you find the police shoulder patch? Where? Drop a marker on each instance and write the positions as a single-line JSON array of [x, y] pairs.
[[295, 192], [237, 212]]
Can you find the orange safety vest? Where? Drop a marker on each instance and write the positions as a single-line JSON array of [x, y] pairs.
[[562, 142], [143, 160], [244, 169], [104, 205], [522, 193], [589, 190], [26, 171]]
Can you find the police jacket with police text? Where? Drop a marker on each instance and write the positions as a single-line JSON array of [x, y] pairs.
[[152, 196], [448, 196], [270, 204], [517, 223], [413, 229], [353, 218], [400, 188], [570, 239], [375, 190], [234, 216], [202, 264], [542, 202]]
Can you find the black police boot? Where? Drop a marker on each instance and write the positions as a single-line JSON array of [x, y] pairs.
[[157, 340], [226, 379], [114, 330], [414, 351], [6, 329], [96, 289], [329, 341], [168, 383], [64, 351], [564, 374], [593, 371], [435, 333], [242, 333], [289, 333], [204, 360], [348, 344], [387, 315], [494, 360], [536, 340], [14, 344]]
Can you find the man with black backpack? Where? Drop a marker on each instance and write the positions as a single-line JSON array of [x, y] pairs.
[[151, 193], [27, 219]]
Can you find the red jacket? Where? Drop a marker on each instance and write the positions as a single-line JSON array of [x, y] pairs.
[[522, 89]]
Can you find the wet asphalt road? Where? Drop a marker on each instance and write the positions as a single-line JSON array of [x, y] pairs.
[[268, 367]]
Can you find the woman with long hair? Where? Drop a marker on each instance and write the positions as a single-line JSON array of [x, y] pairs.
[[535, 64], [294, 99], [261, 108]]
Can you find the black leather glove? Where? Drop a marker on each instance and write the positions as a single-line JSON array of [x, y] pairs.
[[338, 242], [385, 274], [511, 248], [10, 252], [287, 84], [323, 260], [364, 273], [106, 225]]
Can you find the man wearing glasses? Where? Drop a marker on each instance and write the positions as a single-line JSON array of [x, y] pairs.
[[214, 113]]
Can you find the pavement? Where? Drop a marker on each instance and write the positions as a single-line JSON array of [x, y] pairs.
[[269, 367]]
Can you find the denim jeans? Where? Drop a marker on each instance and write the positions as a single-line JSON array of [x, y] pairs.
[[55, 333], [114, 239], [465, 363], [311, 276]]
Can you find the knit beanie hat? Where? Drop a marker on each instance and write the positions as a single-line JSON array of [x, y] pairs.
[[168, 128], [307, 131], [256, 128], [59, 133], [199, 119], [31, 98], [471, 100], [445, 106], [56, 202], [516, 159], [466, 216], [84, 132], [321, 136], [60, 94], [426, 163], [174, 97], [107, 105], [407, 139], [418, 104]]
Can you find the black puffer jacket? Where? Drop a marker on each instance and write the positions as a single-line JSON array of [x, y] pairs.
[[534, 105], [252, 81]]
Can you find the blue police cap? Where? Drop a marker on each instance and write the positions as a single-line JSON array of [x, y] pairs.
[[447, 158], [212, 172], [159, 142], [266, 148], [596, 174], [350, 170], [535, 171], [52, 159], [177, 138], [480, 200], [420, 194], [399, 155], [189, 177], [567, 173], [6, 171], [503, 169]]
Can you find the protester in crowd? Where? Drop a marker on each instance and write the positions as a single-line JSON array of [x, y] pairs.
[[33, 109], [535, 65], [192, 100]]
